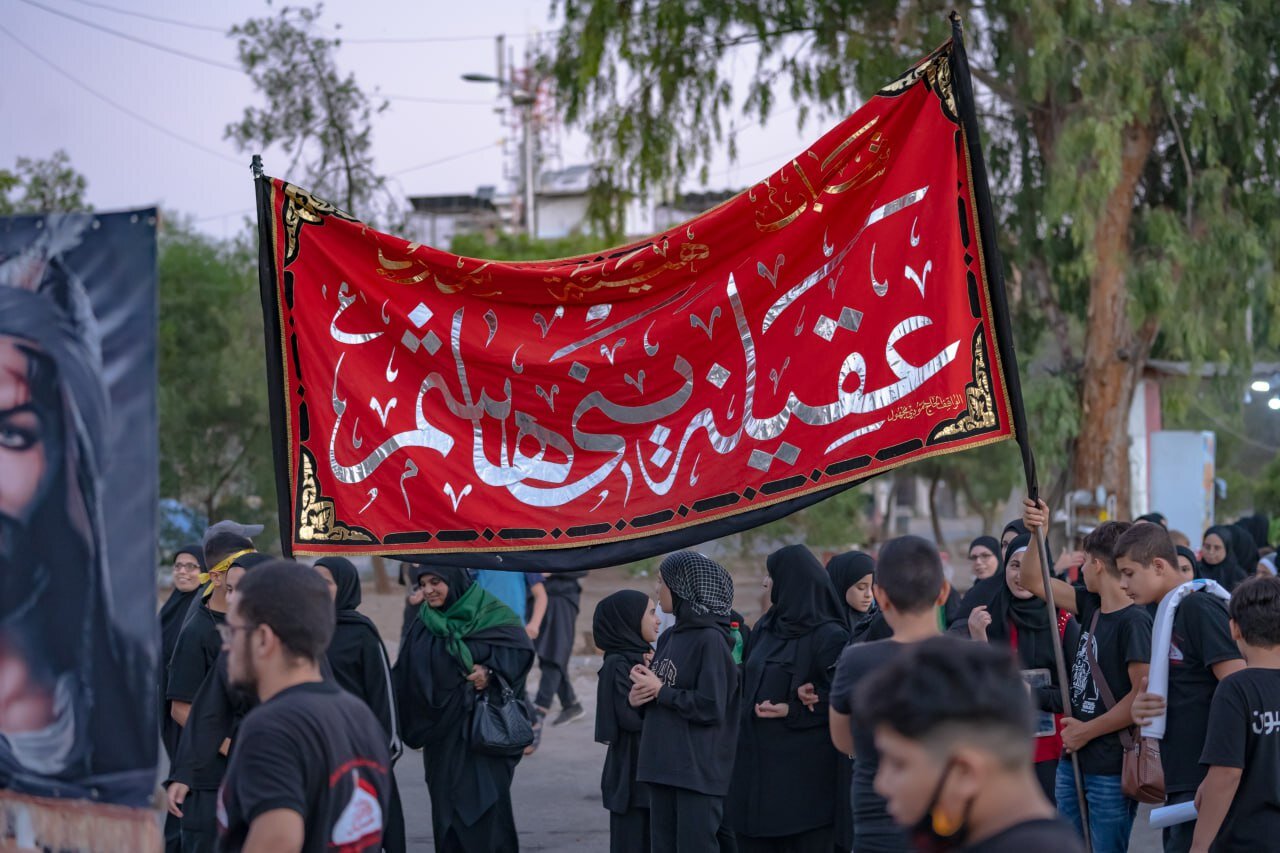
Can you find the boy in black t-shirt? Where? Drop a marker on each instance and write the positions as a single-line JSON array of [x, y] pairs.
[[952, 723], [310, 769], [1239, 800], [909, 586], [1201, 653], [1115, 640]]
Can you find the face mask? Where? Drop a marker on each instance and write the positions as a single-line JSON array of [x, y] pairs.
[[934, 832]]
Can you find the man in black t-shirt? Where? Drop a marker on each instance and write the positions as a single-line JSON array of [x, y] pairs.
[[1201, 654], [909, 586], [1239, 800], [952, 723], [1109, 664], [310, 769]]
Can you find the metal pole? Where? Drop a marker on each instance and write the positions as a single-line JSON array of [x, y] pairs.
[[1004, 329], [530, 212]]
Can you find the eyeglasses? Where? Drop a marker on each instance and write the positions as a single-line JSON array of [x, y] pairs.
[[227, 631], [186, 567]]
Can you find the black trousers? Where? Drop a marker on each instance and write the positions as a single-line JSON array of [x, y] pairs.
[[1178, 838], [200, 822], [820, 840], [1047, 776], [555, 683], [629, 831], [172, 834], [683, 821]]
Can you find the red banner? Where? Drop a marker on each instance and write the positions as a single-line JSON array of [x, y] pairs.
[[830, 323]]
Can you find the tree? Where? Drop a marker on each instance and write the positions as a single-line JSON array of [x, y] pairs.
[[215, 437], [1133, 151], [320, 117], [47, 186]]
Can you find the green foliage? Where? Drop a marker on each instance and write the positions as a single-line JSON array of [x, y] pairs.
[[318, 115], [521, 247], [215, 448], [42, 186], [1079, 103]]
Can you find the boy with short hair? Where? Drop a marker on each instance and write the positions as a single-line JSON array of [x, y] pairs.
[[1201, 654], [1114, 649], [1239, 800], [909, 586], [953, 721]]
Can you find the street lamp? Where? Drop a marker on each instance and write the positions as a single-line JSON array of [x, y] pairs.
[[524, 101]]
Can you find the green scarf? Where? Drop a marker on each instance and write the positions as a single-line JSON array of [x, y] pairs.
[[474, 611]]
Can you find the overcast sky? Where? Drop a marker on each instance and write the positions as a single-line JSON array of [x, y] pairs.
[[130, 163]]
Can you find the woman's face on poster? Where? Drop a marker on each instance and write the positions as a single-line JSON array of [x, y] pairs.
[[22, 450]]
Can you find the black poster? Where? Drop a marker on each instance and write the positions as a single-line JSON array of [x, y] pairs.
[[78, 493]]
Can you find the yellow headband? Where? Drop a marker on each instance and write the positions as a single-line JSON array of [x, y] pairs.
[[221, 567]]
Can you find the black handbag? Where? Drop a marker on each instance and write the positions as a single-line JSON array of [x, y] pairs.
[[500, 721]]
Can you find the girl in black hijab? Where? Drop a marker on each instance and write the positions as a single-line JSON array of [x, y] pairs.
[[690, 701], [1006, 613], [1219, 560], [463, 640], [1191, 569], [984, 557], [785, 778], [360, 667], [851, 575], [624, 627], [1012, 531]]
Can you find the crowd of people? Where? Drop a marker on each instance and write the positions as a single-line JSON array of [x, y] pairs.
[[870, 708]]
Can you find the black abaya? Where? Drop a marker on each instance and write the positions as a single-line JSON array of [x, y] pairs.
[[470, 792], [786, 772]]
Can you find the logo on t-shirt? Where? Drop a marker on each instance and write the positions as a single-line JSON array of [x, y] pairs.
[[1266, 722], [666, 670], [1084, 692], [1175, 653], [359, 827]]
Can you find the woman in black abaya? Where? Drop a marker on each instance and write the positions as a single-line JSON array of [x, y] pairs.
[[360, 667], [445, 658], [785, 778]]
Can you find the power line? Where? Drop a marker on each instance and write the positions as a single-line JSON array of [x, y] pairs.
[[445, 101], [188, 24], [191, 25], [156, 45], [451, 157], [121, 107]]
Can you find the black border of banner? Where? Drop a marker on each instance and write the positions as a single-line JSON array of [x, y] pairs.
[[542, 557], [273, 331]]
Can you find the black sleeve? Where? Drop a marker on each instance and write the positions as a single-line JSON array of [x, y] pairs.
[[828, 641], [1209, 630], [269, 773], [211, 721], [842, 683], [376, 685], [629, 719], [1228, 732], [707, 703], [190, 663], [1137, 636], [510, 662]]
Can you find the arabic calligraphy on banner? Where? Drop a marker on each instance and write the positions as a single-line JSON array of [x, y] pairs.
[[827, 324]]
